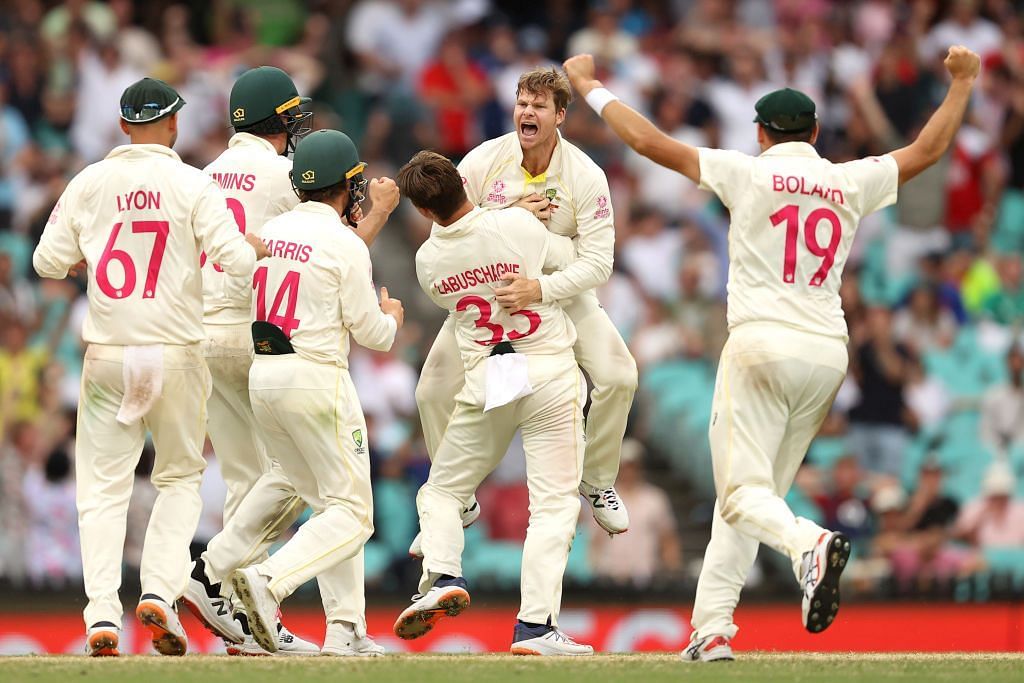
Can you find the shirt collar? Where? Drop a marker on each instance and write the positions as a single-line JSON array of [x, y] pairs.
[[142, 150], [554, 166], [318, 208], [791, 149], [458, 227], [250, 140]]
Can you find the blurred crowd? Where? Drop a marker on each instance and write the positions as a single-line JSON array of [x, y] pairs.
[[922, 458]]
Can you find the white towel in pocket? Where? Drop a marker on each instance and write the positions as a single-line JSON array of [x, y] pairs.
[[143, 373], [507, 379]]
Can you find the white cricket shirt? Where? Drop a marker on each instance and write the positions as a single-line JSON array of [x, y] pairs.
[[254, 180], [317, 286], [140, 218], [793, 216], [461, 265], [494, 176]]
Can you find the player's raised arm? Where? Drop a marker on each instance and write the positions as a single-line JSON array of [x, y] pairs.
[[936, 136], [383, 200], [631, 126]]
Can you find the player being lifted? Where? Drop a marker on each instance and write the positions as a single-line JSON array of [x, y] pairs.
[[534, 167], [314, 291], [139, 218], [793, 220], [519, 373], [264, 108]]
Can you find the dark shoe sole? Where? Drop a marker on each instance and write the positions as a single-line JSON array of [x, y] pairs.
[[265, 635], [825, 601], [414, 624], [154, 619], [103, 644]]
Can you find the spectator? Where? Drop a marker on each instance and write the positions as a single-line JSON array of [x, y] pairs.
[[734, 97], [455, 88], [1006, 306], [924, 324], [996, 518], [1002, 407], [963, 26], [53, 556], [844, 502], [879, 365], [651, 551]]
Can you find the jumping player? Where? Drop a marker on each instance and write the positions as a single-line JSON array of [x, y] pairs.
[[313, 293], [520, 373], [536, 168], [139, 218], [793, 220]]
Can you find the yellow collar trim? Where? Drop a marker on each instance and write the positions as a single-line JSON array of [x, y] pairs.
[[539, 178]]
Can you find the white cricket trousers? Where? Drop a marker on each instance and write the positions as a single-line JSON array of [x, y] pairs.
[[599, 350], [106, 455], [243, 460], [310, 419], [774, 388], [475, 442]]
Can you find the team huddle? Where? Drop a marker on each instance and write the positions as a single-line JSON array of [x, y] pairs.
[[222, 304]]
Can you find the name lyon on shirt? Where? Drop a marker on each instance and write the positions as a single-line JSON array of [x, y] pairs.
[[798, 185], [494, 272]]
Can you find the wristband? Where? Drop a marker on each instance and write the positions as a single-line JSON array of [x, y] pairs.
[[599, 98]]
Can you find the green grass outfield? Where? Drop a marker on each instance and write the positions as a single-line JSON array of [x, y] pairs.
[[647, 668]]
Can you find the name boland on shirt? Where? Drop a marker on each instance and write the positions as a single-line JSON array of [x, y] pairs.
[[793, 217]]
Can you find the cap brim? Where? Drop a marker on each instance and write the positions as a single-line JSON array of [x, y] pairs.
[[173, 109]]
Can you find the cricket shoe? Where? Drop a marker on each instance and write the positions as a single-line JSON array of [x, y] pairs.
[[204, 600], [341, 641], [288, 644], [469, 515], [446, 598], [260, 606], [164, 628], [820, 573], [102, 639], [546, 640], [609, 510], [708, 649]]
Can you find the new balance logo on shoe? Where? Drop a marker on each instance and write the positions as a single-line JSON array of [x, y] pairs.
[[596, 497]]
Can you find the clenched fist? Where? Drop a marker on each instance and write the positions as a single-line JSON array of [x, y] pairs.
[[961, 63], [384, 194], [580, 70]]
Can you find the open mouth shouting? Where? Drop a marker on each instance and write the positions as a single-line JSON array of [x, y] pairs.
[[528, 130]]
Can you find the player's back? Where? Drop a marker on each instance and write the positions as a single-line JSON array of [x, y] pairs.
[[793, 217], [462, 264], [133, 216], [254, 180], [316, 285]]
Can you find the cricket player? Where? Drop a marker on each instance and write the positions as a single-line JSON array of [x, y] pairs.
[[314, 292], [520, 373], [265, 109], [139, 219], [534, 167], [793, 220]]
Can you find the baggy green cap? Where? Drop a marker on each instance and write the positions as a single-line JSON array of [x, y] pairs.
[[786, 111], [324, 158], [149, 100], [260, 93]]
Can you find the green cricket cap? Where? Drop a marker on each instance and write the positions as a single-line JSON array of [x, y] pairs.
[[324, 158], [261, 93], [786, 111], [149, 100]]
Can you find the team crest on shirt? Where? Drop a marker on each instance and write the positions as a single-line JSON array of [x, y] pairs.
[[496, 195], [551, 193], [357, 438], [602, 208]]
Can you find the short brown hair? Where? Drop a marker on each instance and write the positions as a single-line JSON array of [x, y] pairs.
[[549, 81], [324, 194], [431, 181]]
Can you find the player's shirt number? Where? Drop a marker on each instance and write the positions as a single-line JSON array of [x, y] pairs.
[[282, 310], [790, 215], [497, 331], [160, 230], [239, 213]]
